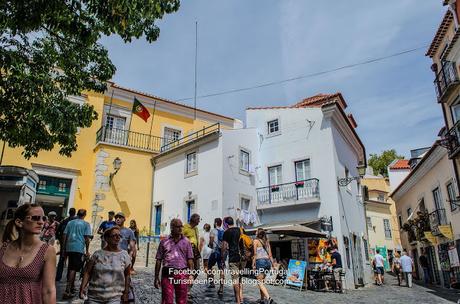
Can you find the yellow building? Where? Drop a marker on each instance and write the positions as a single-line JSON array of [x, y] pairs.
[[381, 219], [89, 180]]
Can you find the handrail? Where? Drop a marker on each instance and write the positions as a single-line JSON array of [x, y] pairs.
[[438, 217], [445, 77], [215, 128], [129, 138], [453, 136]]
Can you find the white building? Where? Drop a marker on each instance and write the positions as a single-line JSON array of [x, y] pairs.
[[283, 168]]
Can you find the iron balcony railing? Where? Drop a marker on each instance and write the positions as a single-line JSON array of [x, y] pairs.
[[129, 139], [452, 140], [169, 145], [303, 189], [438, 218], [446, 77]]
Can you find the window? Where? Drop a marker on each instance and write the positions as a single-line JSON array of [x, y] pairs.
[[400, 221], [451, 194], [191, 163], [115, 122], [273, 126], [62, 187], [190, 209], [387, 228], [347, 250], [366, 249], [437, 199], [42, 184], [381, 197], [245, 203], [456, 112], [244, 160], [369, 222], [171, 135], [274, 175], [409, 212], [347, 175], [115, 130], [302, 170]]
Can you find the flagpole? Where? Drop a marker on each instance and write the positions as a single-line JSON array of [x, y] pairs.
[[130, 120], [196, 60]]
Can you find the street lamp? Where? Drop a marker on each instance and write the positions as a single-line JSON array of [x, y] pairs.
[[346, 180], [116, 166]]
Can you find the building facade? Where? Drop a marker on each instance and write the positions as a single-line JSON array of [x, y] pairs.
[[429, 222], [88, 179], [381, 219], [283, 168]]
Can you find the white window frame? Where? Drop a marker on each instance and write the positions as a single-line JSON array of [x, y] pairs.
[[387, 232], [244, 200], [168, 139], [278, 127], [242, 166], [278, 176], [191, 170], [307, 173], [451, 195]]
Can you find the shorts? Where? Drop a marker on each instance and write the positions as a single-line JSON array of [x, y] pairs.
[[235, 269], [76, 260], [337, 272], [263, 266], [215, 258], [380, 270]]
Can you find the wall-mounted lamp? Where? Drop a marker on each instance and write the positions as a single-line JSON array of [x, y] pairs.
[[345, 181], [116, 167]]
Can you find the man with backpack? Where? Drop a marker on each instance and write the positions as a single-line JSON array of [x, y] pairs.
[[233, 243], [215, 243]]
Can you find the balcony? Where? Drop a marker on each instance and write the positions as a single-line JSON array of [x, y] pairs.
[[130, 139], [191, 138], [289, 194], [437, 218], [446, 79], [451, 140]]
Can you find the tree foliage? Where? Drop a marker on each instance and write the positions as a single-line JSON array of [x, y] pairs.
[[381, 162], [50, 50]]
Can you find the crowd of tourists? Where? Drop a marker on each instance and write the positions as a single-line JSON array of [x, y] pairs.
[[28, 270]]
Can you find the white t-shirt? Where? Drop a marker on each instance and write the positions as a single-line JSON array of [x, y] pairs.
[[406, 263], [378, 260]]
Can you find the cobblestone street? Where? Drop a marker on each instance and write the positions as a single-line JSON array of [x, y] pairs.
[[390, 293]]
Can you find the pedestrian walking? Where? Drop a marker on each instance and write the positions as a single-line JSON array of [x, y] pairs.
[[216, 237], [423, 260], [337, 266], [262, 264], [205, 250], [77, 236], [106, 225], [396, 267], [27, 265], [191, 232], [407, 265], [60, 238], [176, 256], [107, 272], [232, 244], [128, 239], [379, 266], [48, 234], [133, 227]]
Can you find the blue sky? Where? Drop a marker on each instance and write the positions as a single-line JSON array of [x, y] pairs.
[[244, 43]]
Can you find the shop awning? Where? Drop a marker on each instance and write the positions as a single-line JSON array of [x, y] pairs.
[[288, 229]]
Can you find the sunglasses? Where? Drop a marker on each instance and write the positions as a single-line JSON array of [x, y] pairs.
[[115, 235], [36, 218]]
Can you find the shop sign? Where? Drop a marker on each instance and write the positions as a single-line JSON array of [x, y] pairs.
[[296, 273], [430, 237], [453, 257], [446, 230]]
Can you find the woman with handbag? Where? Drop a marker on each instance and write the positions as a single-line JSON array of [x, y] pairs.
[[108, 273], [396, 267], [262, 263]]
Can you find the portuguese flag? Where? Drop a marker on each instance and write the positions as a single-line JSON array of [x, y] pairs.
[[140, 110]]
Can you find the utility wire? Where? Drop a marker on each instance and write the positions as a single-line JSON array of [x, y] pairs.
[[267, 84]]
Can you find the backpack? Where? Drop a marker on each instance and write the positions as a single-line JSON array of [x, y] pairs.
[[247, 244]]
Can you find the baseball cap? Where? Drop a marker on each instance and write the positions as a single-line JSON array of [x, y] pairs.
[[52, 213], [120, 214]]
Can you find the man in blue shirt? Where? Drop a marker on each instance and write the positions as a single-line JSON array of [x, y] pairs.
[[77, 236], [106, 225]]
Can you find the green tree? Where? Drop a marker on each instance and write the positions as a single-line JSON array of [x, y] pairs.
[[50, 50], [380, 162]]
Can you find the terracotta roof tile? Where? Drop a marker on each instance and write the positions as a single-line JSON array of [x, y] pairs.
[[400, 164], [442, 29], [315, 101]]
